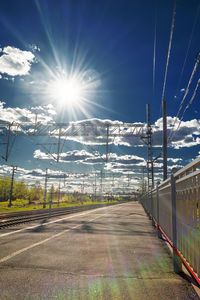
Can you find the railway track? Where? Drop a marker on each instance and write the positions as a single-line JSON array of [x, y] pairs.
[[15, 218]]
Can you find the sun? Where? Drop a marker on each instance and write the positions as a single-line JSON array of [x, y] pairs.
[[67, 91], [73, 92]]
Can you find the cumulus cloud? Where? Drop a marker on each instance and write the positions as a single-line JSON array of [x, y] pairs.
[[70, 156], [72, 180], [16, 114], [115, 177], [135, 165], [94, 132], [14, 61], [187, 135], [34, 47], [85, 157], [172, 160]]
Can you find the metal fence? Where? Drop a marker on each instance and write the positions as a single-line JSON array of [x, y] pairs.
[[174, 207]]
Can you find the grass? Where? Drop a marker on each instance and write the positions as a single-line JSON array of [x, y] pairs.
[[24, 206]]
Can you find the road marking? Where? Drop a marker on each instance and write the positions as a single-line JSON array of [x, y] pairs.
[[42, 242], [55, 221]]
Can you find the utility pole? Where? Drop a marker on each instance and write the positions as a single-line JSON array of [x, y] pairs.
[[59, 194], [45, 188], [36, 115], [58, 151], [101, 182], [83, 187], [113, 180], [150, 171], [95, 186], [11, 186], [164, 140], [113, 184], [64, 179], [51, 199], [107, 140], [7, 144], [143, 181], [128, 180]]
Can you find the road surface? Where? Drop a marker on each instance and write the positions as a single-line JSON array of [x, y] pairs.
[[107, 253]]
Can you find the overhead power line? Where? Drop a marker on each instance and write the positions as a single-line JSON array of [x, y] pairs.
[[154, 51], [185, 94], [169, 48], [188, 47], [189, 104]]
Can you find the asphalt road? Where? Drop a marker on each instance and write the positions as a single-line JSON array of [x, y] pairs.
[[108, 253]]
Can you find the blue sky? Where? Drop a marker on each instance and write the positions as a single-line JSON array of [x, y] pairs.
[[108, 46]]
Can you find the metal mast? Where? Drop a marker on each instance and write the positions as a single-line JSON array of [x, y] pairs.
[[164, 140], [11, 186], [45, 188], [150, 172]]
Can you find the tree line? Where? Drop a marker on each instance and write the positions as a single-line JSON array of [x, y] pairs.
[[21, 191]]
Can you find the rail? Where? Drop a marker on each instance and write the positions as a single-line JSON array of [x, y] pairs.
[[174, 207], [15, 218]]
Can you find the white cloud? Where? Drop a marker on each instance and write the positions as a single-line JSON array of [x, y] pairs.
[[17, 114], [75, 155], [85, 157], [15, 62], [187, 135], [73, 180], [173, 160], [34, 47], [95, 132]]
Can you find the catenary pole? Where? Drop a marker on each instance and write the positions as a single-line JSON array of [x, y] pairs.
[[45, 188], [11, 186], [164, 140]]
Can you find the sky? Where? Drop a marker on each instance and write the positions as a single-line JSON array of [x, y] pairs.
[[98, 62]]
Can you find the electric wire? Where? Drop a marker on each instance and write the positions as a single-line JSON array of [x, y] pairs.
[[185, 94], [188, 47], [189, 104], [11, 147], [169, 48], [154, 51]]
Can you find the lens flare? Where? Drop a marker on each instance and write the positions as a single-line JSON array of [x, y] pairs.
[[67, 91]]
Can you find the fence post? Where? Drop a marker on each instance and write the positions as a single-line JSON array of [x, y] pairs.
[[149, 205], [176, 259], [152, 208], [157, 211]]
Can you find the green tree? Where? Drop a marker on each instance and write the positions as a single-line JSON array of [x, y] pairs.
[[4, 188], [20, 190], [50, 195], [35, 193]]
